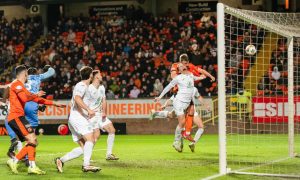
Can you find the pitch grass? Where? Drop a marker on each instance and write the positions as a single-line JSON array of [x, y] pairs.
[[152, 157]]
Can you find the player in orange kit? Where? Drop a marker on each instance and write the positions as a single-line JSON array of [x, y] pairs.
[[196, 71], [18, 96]]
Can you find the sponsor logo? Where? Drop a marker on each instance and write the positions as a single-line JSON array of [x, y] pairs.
[[19, 87], [274, 109]]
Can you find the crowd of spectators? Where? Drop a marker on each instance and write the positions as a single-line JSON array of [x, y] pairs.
[[238, 63], [275, 81], [16, 36], [238, 36], [133, 54]]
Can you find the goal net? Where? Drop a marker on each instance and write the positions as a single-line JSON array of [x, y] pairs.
[[259, 99]]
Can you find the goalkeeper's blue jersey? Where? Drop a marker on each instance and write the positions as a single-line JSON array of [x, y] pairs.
[[33, 85], [34, 81]]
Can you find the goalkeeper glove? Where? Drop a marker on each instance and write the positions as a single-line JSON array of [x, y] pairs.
[[42, 108]]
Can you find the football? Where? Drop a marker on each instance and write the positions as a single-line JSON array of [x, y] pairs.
[[250, 50]]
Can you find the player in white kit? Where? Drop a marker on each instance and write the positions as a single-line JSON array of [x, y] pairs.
[[197, 119], [185, 82], [80, 126], [96, 100]]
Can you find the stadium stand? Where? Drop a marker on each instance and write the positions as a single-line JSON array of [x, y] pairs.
[[276, 79], [16, 37], [133, 54], [241, 34]]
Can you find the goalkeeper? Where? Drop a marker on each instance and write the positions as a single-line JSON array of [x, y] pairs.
[[33, 85]]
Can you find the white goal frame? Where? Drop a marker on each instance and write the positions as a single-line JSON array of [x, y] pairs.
[[289, 33]]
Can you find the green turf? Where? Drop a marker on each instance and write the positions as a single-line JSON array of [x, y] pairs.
[[150, 157]]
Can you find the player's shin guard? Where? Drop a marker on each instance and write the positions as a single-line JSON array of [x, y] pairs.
[[75, 153], [87, 152], [110, 143], [198, 134], [31, 151], [22, 153], [178, 135], [31, 154], [188, 124]]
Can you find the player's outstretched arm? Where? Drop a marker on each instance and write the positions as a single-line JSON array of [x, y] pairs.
[[167, 103], [207, 74], [198, 78], [40, 100], [167, 89], [3, 86], [24, 95], [173, 71], [57, 104], [50, 72], [173, 74]]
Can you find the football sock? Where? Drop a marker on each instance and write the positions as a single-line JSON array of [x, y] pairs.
[[198, 134], [87, 152], [178, 133], [32, 164], [31, 151], [21, 154], [75, 153], [189, 124], [110, 143]]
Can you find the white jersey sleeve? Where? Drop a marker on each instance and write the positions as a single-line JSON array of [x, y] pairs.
[[169, 87], [79, 89]]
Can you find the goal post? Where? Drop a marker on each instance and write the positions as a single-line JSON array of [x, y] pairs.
[[291, 96], [221, 90], [258, 95]]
